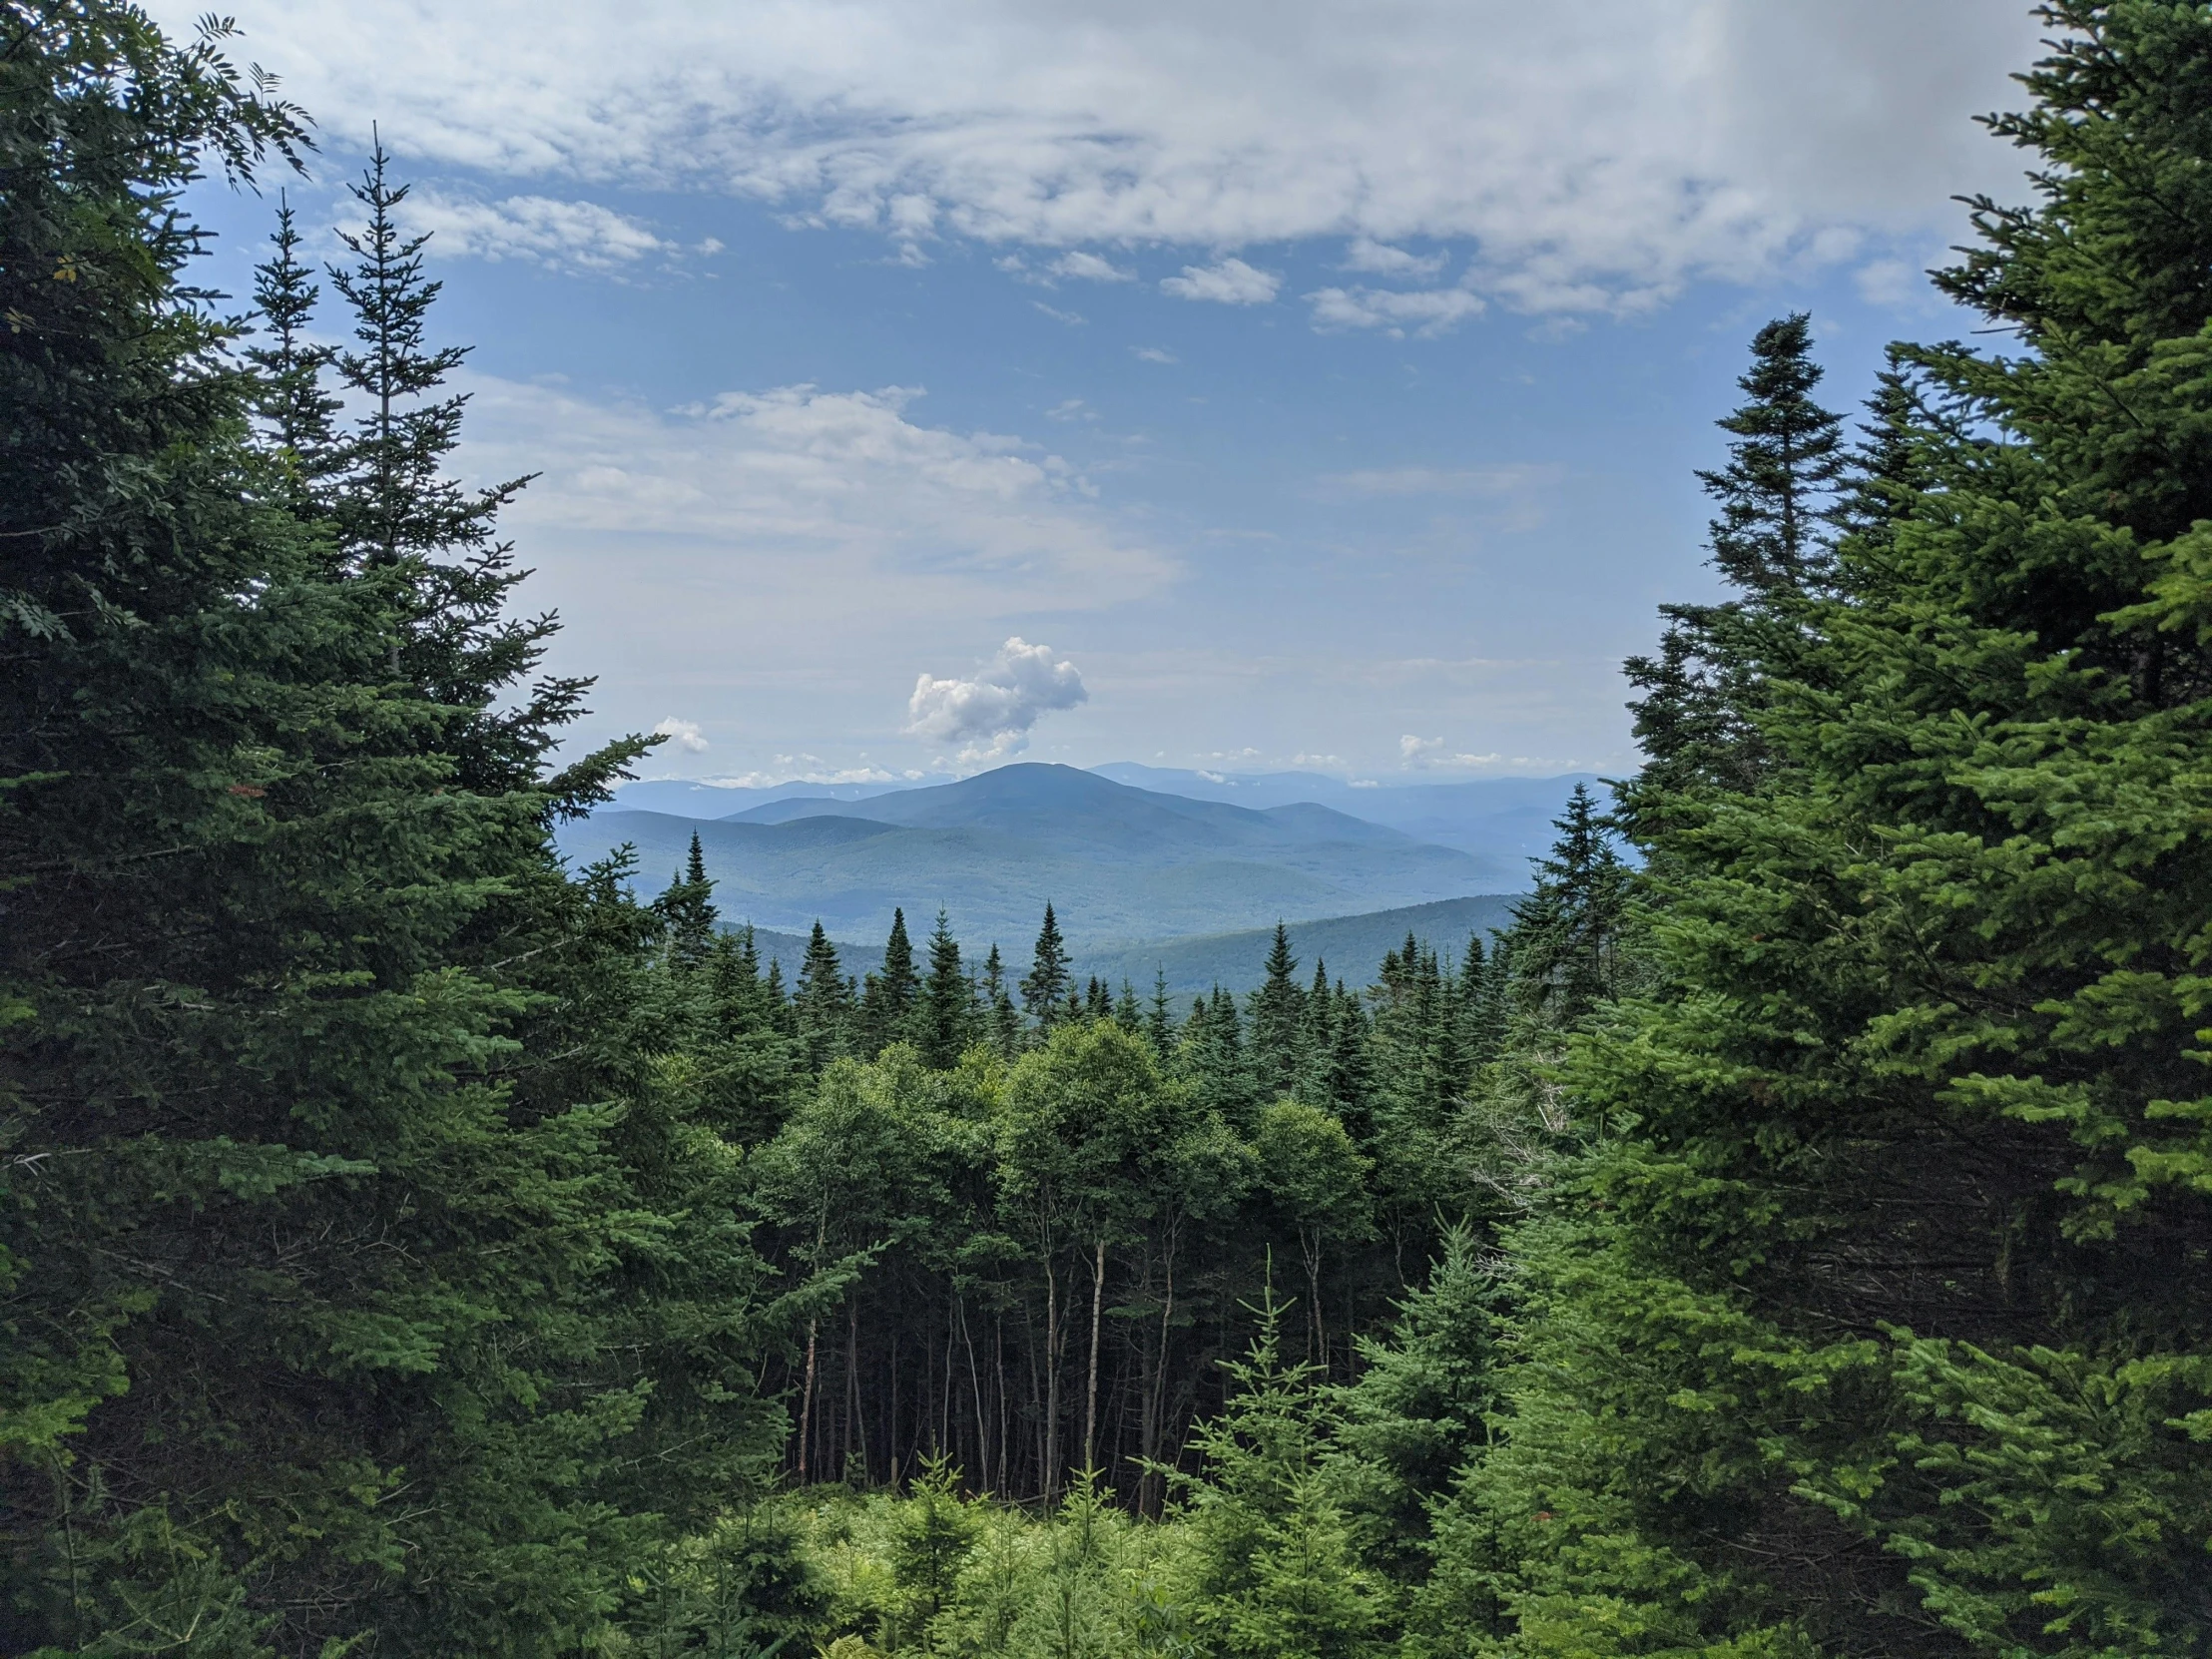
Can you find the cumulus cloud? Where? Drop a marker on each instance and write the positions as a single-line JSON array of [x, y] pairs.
[[683, 734], [1426, 312], [569, 236], [1596, 155], [1226, 281], [990, 714]]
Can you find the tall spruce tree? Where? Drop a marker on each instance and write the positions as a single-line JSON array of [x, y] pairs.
[[891, 1001], [1778, 496], [822, 1007], [298, 413], [946, 1021], [1279, 1022], [327, 1325], [1048, 980], [1887, 1329]]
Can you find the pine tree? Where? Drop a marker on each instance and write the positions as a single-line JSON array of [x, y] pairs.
[[300, 1210], [687, 909], [1159, 1021], [1567, 933], [1048, 980]]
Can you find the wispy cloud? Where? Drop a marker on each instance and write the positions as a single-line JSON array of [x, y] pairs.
[[1380, 258], [1226, 281], [1507, 478], [568, 236], [1423, 312], [1155, 354]]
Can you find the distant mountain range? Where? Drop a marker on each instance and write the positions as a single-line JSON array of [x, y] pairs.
[[1352, 946], [1492, 817], [1119, 862]]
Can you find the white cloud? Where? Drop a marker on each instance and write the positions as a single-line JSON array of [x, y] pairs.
[[1599, 155], [570, 235], [1155, 354], [1427, 312], [990, 714], [1430, 752], [1380, 258], [681, 734], [771, 558], [1226, 281], [1089, 267]]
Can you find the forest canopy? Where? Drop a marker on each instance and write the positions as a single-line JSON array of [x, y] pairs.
[[1792, 1236]]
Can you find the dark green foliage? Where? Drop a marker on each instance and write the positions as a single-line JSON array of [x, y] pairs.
[[1048, 980], [359, 1253], [890, 1001], [1279, 1023]]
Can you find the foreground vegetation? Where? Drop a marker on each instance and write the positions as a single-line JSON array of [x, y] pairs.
[[1790, 1238]]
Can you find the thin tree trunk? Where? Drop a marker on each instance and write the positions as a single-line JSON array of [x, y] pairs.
[[975, 1387], [807, 1400], [1090, 1389], [852, 1387], [1048, 1479]]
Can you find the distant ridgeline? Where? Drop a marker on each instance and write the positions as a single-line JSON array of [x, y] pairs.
[[1121, 863]]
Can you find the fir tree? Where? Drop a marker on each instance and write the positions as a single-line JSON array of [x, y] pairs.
[[821, 1009], [892, 1004], [298, 414], [688, 910], [947, 1018], [999, 1011], [1279, 1023], [1048, 980]]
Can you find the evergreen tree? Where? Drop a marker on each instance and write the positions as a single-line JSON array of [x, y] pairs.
[[1279, 1023], [1005, 1019], [687, 909], [821, 1009], [947, 1018], [1159, 1021], [300, 1211], [1048, 980], [892, 1004], [1903, 1264], [298, 413], [1567, 933], [1696, 719]]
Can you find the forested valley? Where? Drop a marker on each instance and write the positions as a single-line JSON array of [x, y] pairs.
[[1791, 1236]]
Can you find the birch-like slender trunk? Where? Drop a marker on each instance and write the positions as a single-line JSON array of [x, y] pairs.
[[1090, 1394]]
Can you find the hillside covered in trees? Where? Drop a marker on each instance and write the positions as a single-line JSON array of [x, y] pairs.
[[1788, 1234]]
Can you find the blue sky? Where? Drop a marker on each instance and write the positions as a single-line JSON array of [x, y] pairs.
[[915, 385]]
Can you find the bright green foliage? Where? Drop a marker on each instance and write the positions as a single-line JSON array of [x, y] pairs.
[[1271, 1564]]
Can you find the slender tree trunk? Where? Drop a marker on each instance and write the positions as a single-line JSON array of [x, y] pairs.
[[1155, 1415], [975, 1387], [1090, 1388], [807, 1400], [1316, 1340], [852, 1387], [1048, 1479]]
